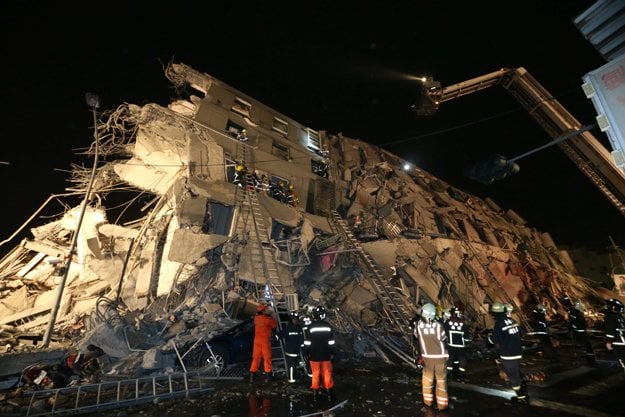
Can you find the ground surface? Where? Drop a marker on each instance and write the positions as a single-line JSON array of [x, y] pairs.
[[571, 387]]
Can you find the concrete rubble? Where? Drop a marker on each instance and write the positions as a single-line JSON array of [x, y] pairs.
[[167, 265]]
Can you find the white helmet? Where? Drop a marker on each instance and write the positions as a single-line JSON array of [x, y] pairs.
[[579, 306], [428, 311], [498, 308]]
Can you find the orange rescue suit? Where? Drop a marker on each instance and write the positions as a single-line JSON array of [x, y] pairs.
[[263, 330]]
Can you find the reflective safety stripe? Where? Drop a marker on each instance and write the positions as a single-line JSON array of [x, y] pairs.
[[511, 326], [293, 355], [307, 342], [511, 358], [320, 329], [330, 342]]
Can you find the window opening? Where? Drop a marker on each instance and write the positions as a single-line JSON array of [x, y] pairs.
[[313, 140], [280, 125], [280, 150], [233, 128], [242, 107]]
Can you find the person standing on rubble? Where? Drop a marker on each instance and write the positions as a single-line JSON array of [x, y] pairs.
[[541, 329], [319, 350], [293, 336], [432, 338], [507, 336], [615, 330], [577, 324], [457, 333], [264, 326]]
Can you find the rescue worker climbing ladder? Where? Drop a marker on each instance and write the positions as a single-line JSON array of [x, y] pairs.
[[240, 174]]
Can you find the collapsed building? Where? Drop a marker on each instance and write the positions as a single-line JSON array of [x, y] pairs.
[[191, 240]]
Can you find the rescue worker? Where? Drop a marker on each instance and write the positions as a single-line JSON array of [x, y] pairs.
[[242, 135], [615, 330], [541, 329], [457, 333], [291, 197], [577, 323], [432, 338], [507, 336], [264, 184], [240, 174], [319, 349], [276, 191], [306, 320], [264, 326], [293, 336], [258, 186]]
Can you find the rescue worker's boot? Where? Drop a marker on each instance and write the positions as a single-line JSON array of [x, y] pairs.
[[521, 394], [315, 395], [268, 377], [251, 377], [330, 394]]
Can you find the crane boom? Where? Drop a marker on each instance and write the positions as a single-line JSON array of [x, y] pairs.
[[586, 152]]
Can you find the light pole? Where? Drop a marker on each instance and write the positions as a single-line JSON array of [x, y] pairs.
[[94, 102]]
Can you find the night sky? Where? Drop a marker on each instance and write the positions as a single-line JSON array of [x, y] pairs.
[[335, 66]]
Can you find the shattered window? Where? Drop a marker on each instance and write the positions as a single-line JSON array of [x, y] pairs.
[[280, 125], [242, 107], [313, 140]]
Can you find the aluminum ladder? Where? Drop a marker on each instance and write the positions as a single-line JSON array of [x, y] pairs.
[[251, 225], [396, 306], [89, 398]]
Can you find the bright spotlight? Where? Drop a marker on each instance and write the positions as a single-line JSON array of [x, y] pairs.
[[406, 166]]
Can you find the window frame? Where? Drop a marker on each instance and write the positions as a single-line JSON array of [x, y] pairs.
[[242, 107], [280, 123]]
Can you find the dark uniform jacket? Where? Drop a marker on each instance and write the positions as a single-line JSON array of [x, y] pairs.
[[457, 332], [507, 334], [615, 329], [293, 335], [319, 343], [577, 320], [540, 322]]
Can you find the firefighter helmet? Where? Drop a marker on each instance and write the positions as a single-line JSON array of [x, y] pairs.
[[293, 315], [541, 308], [319, 313], [428, 311], [579, 306], [261, 308], [498, 308], [240, 167], [615, 306]]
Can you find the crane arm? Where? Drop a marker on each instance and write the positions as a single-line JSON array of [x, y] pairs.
[[586, 152]]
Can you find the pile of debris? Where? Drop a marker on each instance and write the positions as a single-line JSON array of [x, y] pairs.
[[176, 264]]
